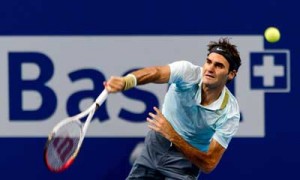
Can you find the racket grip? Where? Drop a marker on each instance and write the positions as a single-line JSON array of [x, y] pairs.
[[101, 98]]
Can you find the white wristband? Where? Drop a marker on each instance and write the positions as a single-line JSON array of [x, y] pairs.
[[130, 81]]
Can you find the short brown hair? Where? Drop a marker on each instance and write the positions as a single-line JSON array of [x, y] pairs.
[[228, 50]]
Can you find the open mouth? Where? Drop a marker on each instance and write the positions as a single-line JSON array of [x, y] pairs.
[[209, 76]]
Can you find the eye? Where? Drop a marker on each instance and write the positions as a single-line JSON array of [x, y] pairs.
[[219, 65], [208, 61]]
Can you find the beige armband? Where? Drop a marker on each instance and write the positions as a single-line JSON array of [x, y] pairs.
[[130, 81]]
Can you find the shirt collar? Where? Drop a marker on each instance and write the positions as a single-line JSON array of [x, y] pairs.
[[219, 104]]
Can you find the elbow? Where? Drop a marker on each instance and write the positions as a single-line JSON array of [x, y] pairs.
[[208, 166], [207, 170]]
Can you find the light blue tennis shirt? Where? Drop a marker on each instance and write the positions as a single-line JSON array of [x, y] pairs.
[[198, 124]]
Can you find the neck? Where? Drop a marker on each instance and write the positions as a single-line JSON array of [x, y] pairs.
[[209, 95]]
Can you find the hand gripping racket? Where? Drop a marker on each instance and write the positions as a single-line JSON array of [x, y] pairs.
[[65, 140]]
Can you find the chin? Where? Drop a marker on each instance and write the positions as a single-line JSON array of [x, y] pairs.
[[207, 81]]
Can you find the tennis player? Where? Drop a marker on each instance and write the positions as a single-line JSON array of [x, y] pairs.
[[198, 119]]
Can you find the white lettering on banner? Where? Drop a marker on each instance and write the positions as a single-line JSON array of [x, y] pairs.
[[46, 78]]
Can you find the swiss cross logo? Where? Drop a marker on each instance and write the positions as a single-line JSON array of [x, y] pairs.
[[270, 71]]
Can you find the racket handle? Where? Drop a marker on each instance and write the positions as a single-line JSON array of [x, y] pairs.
[[101, 98]]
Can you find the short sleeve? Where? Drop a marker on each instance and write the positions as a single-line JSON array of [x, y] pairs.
[[227, 129], [184, 71]]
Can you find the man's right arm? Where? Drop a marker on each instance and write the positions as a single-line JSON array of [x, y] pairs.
[[155, 74]]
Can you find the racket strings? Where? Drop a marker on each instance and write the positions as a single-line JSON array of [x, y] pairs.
[[63, 144]]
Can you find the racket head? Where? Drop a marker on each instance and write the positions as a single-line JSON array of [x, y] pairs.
[[63, 145]]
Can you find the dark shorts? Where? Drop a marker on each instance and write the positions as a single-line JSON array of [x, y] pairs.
[[160, 160]]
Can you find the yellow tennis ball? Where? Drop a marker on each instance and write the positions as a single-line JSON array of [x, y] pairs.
[[272, 34]]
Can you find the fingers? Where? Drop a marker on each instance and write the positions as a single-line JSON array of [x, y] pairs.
[[155, 117], [114, 84], [155, 121], [107, 87], [158, 122], [152, 115], [152, 124], [157, 110]]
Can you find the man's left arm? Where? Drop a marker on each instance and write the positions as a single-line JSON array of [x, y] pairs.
[[206, 161]]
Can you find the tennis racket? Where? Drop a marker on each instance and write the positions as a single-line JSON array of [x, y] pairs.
[[66, 138]]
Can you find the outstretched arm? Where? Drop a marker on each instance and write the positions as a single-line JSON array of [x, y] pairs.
[[206, 161], [155, 74]]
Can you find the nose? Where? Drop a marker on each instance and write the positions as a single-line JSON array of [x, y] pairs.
[[210, 67]]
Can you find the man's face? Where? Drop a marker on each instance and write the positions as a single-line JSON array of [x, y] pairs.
[[216, 71]]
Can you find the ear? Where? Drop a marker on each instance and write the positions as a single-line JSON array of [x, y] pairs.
[[232, 74]]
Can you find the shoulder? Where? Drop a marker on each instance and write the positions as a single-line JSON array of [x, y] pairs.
[[185, 71], [183, 64], [232, 100], [233, 109]]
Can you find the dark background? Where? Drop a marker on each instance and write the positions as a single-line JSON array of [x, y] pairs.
[[274, 157]]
